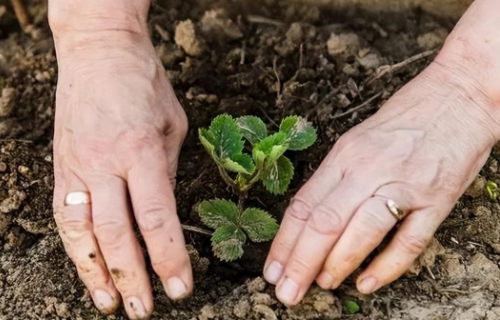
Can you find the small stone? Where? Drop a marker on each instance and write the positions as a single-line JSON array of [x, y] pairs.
[[350, 70], [13, 202], [265, 312], [62, 310], [477, 187], [262, 298], [7, 102], [343, 45], [3, 166], [207, 312], [493, 167], [482, 210], [370, 61], [241, 309], [454, 268], [186, 38], [256, 285], [23, 170], [480, 266], [215, 24]]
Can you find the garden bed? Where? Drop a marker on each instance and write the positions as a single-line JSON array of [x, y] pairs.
[[268, 59]]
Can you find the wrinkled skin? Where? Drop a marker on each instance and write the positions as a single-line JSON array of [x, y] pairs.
[[119, 129], [118, 133], [421, 150]]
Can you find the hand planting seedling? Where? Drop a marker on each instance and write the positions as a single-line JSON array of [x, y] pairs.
[[225, 143]]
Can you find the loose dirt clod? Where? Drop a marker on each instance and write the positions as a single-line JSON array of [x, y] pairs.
[[7, 102], [343, 45], [477, 187], [186, 38], [216, 25]]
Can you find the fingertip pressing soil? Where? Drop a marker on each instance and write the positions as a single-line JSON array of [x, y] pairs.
[[265, 58]]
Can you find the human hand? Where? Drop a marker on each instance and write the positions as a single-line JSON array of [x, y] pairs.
[[421, 150], [118, 133]]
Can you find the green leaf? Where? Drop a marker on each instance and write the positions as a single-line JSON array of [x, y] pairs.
[[277, 139], [227, 242], [301, 134], [277, 177], [258, 156], [277, 152], [351, 307], [492, 190], [208, 141], [258, 224], [225, 136], [253, 128], [217, 213], [240, 163]]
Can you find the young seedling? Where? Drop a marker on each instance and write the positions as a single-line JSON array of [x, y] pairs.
[[492, 190], [224, 141]]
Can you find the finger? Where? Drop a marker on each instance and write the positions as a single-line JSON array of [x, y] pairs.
[[113, 229], [75, 228], [408, 243], [327, 222], [368, 227], [296, 215], [155, 212]]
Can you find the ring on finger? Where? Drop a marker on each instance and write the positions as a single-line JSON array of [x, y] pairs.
[[77, 198], [395, 210]]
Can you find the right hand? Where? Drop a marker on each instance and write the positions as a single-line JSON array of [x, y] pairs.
[[118, 132]]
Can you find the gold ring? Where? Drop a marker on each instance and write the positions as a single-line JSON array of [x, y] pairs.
[[396, 211], [77, 198]]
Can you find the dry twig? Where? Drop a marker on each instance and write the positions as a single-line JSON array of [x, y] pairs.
[[357, 108], [21, 13], [389, 69], [196, 229], [263, 20]]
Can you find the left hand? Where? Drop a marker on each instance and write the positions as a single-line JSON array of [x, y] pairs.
[[421, 150]]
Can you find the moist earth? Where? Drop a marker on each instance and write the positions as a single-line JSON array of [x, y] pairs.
[[265, 58]]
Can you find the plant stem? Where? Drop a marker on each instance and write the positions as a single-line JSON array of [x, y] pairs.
[[196, 229], [227, 178], [241, 201], [251, 182]]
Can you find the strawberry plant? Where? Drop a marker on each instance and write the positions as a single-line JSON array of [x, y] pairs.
[[224, 140]]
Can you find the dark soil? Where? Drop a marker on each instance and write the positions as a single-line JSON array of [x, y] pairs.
[[265, 58]]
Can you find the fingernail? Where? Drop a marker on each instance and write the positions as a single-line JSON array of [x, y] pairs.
[[288, 291], [103, 300], [368, 285], [175, 287], [136, 307], [325, 280], [273, 272]]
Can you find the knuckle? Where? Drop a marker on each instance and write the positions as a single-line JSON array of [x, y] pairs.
[[151, 217], [373, 221], [169, 265], [141, 138], [110, 233], [326, 220], [92, 151], [299, 209], [75, 230], [298, 267], [412, 244]]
